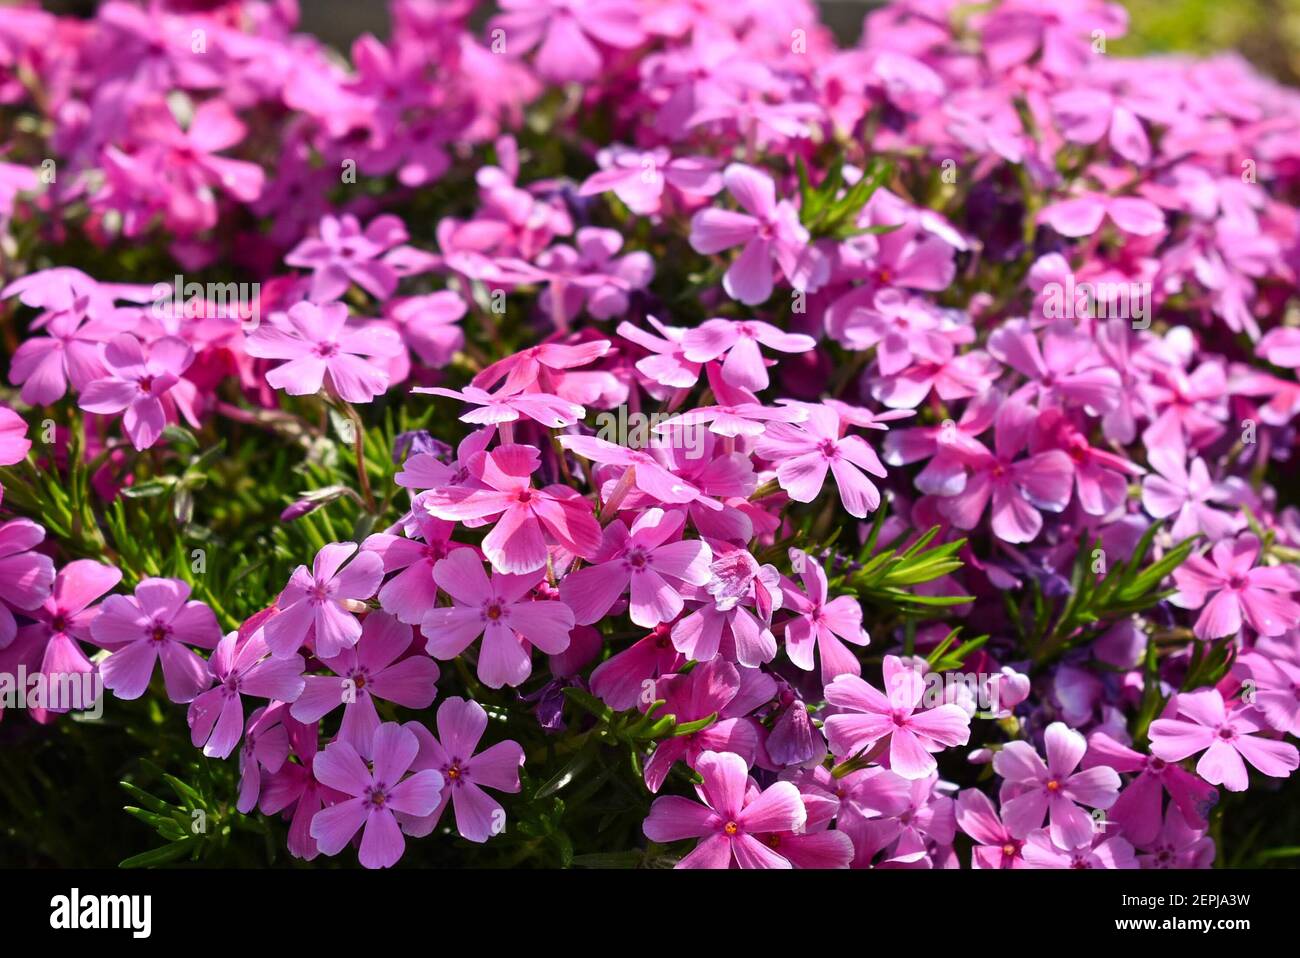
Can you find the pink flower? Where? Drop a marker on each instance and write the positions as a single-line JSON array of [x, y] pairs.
[[342, 254], [317, 340], [1068, 370], [428, 325], [644, 559], [296, 786], [825, 625], [770, 231], [319, 604], [551, 411], [1083, 215], [412, 592], [240, 666], [1137, 810], [70, 352], [146, 382], [729, 817], [620, 680], [1225, 738], [718, 689], [26, 577], [1178, 845], [497, 610], [540, 368], [592, 275], [1186, 491], [373, 669], [380, 790], [525, 516], [177, 170], [63, 621], [804, 453], [14, 443], [738, 341], [868, 716], [995, 846], [723, 624], [667, 364], [1032, 790], [1085, 116], [650, 476], [639, 178], [1042, 851], [1235, 592], [567, 33], [156, 623], [466, 771], [1019, 489]]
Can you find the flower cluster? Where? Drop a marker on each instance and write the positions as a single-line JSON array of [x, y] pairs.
[[885, 447]]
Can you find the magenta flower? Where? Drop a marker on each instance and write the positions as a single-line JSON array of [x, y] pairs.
[[1083, 215], [499, 611], [995, 846], [466, 771], [380, 790], [63, 621], [620, 680], [738, 341], [804, 453], [823, 625], [317, 340], [342, 254], [1231, 591], [1066, 370], [724, 624], [729, 817], [240, 666], [540, 368], [639, 178], [769, 231], [568, 33], [266, 747], [373, 669], [1225, 738], [296, 786], [1032, 790], [649, 475], [14, 443], [1137, 810], [1186, 491], [592, 275], [868, 716], [499, 407], [715, 688], [1085, 116], [156, 623], [525, 516], [26, 577], [667, 364], [644, 560], [318, 606], [145, 382], [70, 352], [1042, 851], [412, 592], [1018, 488]]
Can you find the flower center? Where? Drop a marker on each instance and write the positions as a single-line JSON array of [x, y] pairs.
[[1009, 850], [454, 772], [1053, 785], [159, 632], [731, 828], [376, 795], [493, 611], [327, 350]]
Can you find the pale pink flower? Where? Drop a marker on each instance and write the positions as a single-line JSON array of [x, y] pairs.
[[1205, 725]]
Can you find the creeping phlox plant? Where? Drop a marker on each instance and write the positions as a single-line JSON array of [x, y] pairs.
[[639, 432]]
